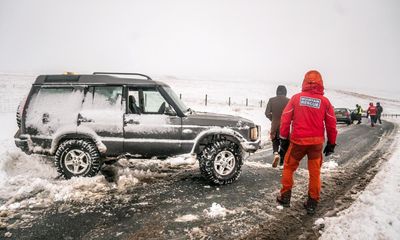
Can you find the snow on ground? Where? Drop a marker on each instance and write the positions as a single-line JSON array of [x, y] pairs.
[[29, 182], [187, 218], [376, 212], [217, 211], [329, 165]]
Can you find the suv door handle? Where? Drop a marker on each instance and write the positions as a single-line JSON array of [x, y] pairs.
[[82, 119], [131, 121], [45, 118]]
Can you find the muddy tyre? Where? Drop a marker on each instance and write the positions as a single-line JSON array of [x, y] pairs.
[[221, 162], [77, 158]]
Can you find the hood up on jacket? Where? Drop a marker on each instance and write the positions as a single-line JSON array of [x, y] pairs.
[[313, 83], [281, 91]]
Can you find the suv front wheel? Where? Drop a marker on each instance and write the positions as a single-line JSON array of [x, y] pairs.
[[221, 162], [77, 158]]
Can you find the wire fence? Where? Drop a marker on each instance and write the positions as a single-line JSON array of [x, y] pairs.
[[390, 115], [231, 101]]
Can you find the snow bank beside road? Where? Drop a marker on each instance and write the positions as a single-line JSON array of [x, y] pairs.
[[376, 212]]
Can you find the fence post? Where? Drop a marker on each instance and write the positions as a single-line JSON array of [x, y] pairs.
[[180, 95], [229, 101], [206, 100], [247, 102], [261, 104]]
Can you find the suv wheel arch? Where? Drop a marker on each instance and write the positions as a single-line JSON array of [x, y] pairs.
[[75, 136], [211, 136]]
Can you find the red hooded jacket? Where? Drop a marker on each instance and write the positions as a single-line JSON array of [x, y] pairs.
[[309, 113], [371, 110]]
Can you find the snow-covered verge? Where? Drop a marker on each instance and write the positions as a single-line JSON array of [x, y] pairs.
[[376, 212]]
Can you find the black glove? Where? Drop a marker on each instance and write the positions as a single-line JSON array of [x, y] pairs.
[[329, 149], [283, 147]]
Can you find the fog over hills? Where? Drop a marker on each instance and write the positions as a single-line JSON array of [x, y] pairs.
[[353, 43]]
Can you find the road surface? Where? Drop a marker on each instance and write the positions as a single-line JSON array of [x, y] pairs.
[[175, 207]]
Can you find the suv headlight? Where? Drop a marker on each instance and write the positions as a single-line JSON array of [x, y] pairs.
[[254, 133]]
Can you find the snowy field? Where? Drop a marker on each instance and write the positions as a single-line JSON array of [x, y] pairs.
[[29, 183], [376, 213]]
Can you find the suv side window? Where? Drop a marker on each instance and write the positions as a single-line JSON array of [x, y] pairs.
[[153, 102], [104, 97], [148, 101]]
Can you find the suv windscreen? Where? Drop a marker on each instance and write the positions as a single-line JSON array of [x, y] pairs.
[[176, 99], [340, 111]]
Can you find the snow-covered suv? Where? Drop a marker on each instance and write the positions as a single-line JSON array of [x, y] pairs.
[[83, 120]]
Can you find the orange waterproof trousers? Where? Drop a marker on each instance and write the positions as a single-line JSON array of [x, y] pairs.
[[292, 160]]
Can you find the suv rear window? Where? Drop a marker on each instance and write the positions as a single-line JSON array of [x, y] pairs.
[[52, 107]]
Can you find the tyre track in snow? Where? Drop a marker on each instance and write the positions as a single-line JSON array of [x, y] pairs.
[[155, 210]]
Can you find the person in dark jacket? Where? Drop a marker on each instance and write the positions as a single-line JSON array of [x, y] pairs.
[[358, 113], [273, 112], [379, 111]]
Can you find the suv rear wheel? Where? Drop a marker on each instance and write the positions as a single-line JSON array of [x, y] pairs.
[[221, 162], [77, 158]]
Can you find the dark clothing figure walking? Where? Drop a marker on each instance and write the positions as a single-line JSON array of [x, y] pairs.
[[379, 111], [273, 112], [358, 113]]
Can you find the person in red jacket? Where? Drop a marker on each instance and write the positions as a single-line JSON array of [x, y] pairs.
[[305, 118], [372, 113]]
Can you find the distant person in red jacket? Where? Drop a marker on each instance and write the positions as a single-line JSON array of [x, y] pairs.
[[305, 118], [371, 112]]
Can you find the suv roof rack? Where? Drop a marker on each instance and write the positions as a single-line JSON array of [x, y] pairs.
[[62, 78], [117, 73]]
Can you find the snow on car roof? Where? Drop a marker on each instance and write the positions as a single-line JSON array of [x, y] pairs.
[[94, 79]]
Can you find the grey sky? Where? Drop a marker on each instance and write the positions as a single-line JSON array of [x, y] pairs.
[[352, 42]]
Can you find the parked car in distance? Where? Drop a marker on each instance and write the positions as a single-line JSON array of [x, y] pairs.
[[83, 120], [343, 115]]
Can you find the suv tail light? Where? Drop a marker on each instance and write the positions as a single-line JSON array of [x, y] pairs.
[[19, 111]]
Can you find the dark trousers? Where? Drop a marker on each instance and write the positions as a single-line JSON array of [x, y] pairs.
[[276, 142], [359, 118], [373, 120], [378, 119]]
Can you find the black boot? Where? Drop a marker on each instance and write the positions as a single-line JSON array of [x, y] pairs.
[[284, 198], [310, 205]]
